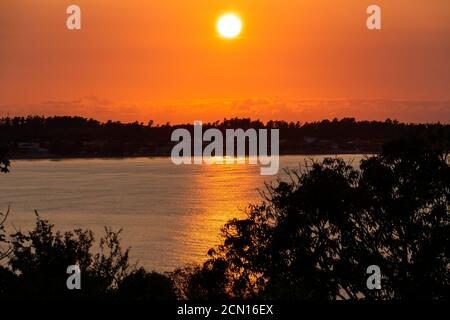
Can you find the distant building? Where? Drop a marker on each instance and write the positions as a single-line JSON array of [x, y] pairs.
[[31, 148]]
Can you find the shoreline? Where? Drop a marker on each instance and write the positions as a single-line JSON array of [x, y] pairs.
[[118, 157]]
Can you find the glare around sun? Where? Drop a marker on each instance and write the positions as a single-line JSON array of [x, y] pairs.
[[229, 26]]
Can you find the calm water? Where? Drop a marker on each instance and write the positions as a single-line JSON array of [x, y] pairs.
[[170, 215]]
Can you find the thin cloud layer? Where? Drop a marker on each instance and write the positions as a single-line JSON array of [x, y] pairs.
[[186, 111]]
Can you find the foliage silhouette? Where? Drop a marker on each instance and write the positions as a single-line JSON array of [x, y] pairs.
[[312, 237], [141, 285], [4, 168], [315, 235], [39, 260], [4, 160]]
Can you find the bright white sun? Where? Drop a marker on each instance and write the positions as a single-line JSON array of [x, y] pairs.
[[229, 26]]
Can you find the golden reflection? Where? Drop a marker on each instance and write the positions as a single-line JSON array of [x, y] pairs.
[[225, 191], [228, 160]]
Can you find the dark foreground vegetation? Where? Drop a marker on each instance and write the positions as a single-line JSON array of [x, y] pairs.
[[79, 137], [311, 237]]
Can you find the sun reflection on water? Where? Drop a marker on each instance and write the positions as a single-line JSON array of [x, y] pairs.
[[224, 192]]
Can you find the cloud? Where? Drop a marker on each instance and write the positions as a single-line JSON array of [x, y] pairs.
[[186, 111], [311, 110]]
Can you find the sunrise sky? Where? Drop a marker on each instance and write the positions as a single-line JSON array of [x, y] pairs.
[[164, 60]]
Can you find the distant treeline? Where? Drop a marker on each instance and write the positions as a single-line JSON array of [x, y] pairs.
[[77, 136]]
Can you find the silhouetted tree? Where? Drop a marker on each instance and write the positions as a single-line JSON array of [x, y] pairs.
[[206, 282], [4, 161], [315, 235], [4, 168], [4, 251], [38, 263], [142, 285]]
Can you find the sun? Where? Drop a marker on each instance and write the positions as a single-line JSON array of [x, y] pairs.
[[229, 26]]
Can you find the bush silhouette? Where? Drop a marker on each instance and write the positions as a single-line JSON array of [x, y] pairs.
[[4, 168], [141, 285], [4, 160], [315, 236], [39, 260]]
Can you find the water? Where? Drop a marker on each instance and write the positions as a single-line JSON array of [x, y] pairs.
[[170, 215]]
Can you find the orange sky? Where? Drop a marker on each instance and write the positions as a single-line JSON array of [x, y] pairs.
[[296, 60]]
